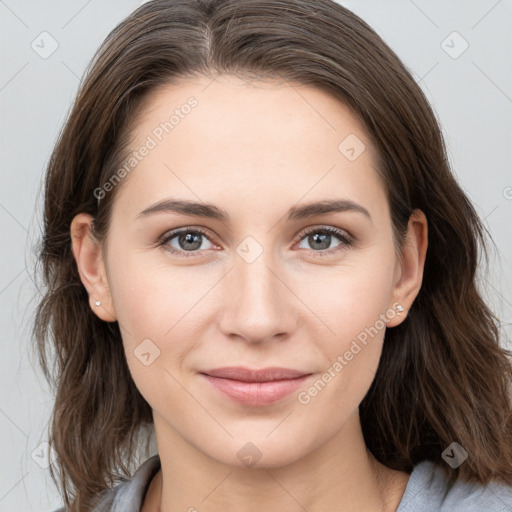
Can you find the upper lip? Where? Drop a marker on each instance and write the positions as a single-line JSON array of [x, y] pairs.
[[248, 375]]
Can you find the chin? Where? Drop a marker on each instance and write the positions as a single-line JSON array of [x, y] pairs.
[[257, 452]]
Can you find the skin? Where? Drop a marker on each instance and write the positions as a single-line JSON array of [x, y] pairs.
[[254, 150]]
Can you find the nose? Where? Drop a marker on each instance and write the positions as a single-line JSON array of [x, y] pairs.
[[259, 306]]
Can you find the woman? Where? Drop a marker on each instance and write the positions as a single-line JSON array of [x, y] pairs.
[[254, 244]]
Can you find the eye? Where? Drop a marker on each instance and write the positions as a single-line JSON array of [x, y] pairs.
[[320, 239], [188, 240], [185, 241]]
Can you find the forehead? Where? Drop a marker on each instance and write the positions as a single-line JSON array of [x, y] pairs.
[[228, 134], [228, 108]]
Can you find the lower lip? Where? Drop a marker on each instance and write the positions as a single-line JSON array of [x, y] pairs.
[[256, 393]]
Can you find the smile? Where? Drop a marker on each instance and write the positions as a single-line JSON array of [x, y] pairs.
[[255, 387]]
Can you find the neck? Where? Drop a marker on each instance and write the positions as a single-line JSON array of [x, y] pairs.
[[339, 475]]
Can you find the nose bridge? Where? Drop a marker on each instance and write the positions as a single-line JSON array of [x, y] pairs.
[[259, 304]]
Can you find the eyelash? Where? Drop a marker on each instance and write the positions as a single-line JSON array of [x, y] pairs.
[[342, 235]]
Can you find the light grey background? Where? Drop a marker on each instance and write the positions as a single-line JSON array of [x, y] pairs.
[[471, 94]]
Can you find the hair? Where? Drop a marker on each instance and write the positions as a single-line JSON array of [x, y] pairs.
[[442, 377]]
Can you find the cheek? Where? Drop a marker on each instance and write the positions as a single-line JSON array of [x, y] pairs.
[[353, 304], [357, 315], [351, 298], [158, 309], [149, 299]]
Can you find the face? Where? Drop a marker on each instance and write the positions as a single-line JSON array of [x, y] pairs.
[[251, 276]]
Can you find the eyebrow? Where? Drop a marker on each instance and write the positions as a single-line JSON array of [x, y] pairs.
[[211, 211]]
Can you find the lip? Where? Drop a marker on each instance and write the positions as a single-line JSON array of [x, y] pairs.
[[255, 387]]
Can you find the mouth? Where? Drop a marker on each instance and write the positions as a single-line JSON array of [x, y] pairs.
[[255, 387]]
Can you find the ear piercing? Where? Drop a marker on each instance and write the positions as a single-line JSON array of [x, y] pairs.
[[398, 307], [98, 303]]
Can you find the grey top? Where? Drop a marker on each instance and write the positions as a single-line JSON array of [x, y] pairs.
[[428, 490]]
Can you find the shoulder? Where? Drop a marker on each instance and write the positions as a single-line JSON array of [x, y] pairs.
[[129, 494], [430, 490]]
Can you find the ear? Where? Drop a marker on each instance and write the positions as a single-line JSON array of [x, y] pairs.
[[410, 267], [88, 255]]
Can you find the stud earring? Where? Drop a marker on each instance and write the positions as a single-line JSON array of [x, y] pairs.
[[98, 303], [399, 308]]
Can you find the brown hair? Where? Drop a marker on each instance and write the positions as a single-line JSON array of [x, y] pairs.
[[442, 377]]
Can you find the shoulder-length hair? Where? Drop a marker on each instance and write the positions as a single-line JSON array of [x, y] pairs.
[[443, 376]]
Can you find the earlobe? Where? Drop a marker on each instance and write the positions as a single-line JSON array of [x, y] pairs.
[[414, 252], [88, 254]]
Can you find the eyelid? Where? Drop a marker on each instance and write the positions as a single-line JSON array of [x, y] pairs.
[[340, 233]]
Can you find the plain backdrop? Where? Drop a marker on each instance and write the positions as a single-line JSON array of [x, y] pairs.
[[459, 51]]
